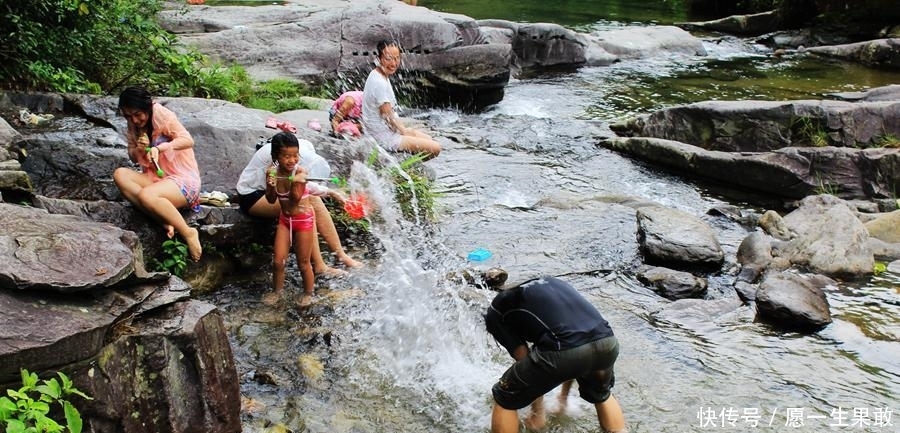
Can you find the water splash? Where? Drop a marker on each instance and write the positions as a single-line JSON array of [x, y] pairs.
[[420, 332]]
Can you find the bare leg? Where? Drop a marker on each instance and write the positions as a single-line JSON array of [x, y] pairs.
[[279, 261], [318, 263], [264, 209], [504, 420], [304, 241], [563, 398], [415, 141], [325, 226], [537, 419], [610, 415], [161, 201]]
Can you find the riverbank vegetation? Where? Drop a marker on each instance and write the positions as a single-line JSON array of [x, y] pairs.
[[99, 47]]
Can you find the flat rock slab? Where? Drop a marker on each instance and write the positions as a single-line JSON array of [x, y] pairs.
[[43, 251]]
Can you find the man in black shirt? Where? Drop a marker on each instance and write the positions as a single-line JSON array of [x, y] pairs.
[[570, 340]]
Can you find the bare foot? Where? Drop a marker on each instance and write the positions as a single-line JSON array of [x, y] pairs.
[[272, 298], [349, 262], [562, 403], [535, 420], [170, 231], [563, 398], [305, 300], [330, 272], [193, 243]]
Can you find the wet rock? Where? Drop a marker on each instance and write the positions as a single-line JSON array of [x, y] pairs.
[[794, 302], [745, 217], [882, 53], [772, 223], [173, 372], [885, 93], [841, 250], [791, 172], [746, 291], [672, 284], [44, 251], [754, 255], [755, 126], [49, 330], [885, 227], [671, 237], [752, 24]]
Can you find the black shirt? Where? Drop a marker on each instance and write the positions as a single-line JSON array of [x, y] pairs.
[[547, 312]]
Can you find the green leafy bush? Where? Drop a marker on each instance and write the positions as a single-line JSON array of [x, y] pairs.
[[95, 46], [174, 257], [27, 409]]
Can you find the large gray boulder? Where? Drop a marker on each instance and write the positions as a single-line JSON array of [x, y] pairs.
[[673, 238], [650, 41], [450, 58], [841, 250], [317, 39]]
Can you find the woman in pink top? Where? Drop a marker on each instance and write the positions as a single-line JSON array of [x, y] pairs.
[[346, 113], [169, 178]]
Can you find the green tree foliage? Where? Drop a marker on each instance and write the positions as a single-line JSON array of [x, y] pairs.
[[94, 46]]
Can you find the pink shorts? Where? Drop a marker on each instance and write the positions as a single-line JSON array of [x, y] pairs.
[[303, 222]]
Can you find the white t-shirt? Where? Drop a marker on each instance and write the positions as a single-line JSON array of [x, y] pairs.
[[253, 177], [376, 92]]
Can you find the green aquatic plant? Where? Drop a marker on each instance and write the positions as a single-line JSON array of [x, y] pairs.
[[28, 409], [879, 268], [175, 254]]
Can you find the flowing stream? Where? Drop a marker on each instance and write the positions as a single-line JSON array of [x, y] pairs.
[[401, 346]]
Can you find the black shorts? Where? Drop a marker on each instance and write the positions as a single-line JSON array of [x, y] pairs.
[[590, 364], [246, 201]]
